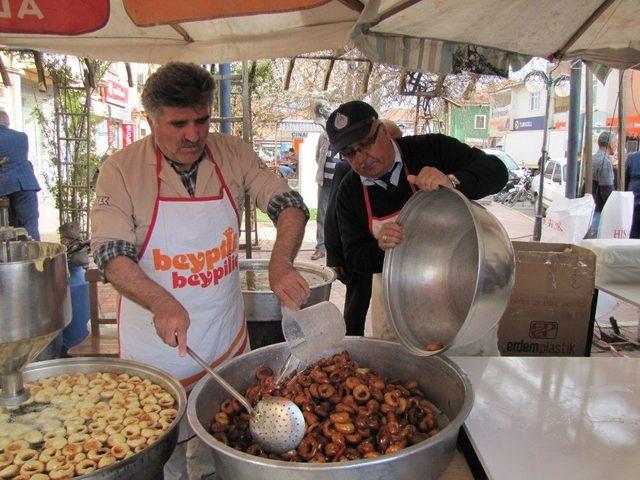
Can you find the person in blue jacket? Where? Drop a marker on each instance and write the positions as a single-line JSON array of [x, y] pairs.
[[17, 180]]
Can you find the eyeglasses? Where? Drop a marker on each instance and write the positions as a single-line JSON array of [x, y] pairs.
[[350, 152]]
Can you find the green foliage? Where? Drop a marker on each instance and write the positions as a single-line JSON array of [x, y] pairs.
[[74, 161]]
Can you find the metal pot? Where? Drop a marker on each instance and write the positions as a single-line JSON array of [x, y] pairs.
[[149, 463], [263, 307], [450, 279], [443, 383]]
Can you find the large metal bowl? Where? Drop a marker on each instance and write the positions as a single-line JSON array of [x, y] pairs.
[[443, 383], [149, 463], [450, 279], [263, 305]]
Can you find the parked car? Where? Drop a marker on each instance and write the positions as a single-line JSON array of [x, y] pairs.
[[555, 175], [516, 173]]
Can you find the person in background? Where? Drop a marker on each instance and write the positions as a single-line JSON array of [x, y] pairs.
[[603, 182], [165, 232], [358, 294], [385, 174], [17, 179], [289, 165], [324, 179], [632, 181]]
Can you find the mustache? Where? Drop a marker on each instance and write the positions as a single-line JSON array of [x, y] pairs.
[[188, 144]]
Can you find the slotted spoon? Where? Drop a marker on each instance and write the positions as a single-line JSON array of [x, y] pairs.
[[276, 423]]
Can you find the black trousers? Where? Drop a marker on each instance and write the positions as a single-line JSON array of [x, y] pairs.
[[356, 303]]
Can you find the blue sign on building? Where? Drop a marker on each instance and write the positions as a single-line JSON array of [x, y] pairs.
[[528, 123]]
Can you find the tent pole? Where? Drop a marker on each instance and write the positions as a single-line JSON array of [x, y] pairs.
[[622, 134], [571, 187], [588, 132], [537, 225]]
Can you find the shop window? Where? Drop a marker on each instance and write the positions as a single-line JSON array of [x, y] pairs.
[[534, 101]]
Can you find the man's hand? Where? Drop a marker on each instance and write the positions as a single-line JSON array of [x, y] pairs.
[[172, 321], [391, 234], [286, 282], [429, 179]]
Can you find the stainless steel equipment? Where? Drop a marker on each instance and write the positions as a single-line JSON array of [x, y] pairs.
[[34, 305], [450, 279], [263, 307], [443, 383], [144, 465], [276, 423]]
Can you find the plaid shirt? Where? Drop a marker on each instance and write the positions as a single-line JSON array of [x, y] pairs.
[[110, 250]]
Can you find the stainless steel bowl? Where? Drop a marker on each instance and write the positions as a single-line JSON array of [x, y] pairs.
[[149, 463], [450, 279], [443, 383], [263, 305]]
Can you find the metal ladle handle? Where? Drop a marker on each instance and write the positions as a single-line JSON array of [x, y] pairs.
[[238, 396]]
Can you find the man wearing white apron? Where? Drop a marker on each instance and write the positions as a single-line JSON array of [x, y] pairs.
[[385, 173], [166, 233]]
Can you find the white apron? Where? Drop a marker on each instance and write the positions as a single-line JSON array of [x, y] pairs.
[[191, 250]]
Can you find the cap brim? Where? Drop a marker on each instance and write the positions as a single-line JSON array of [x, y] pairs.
[[353, 135]]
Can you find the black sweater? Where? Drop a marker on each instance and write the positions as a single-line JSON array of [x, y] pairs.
[[479, 174]]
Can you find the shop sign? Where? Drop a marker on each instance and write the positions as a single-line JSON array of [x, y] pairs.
[[53, 17], [116, 93], [128, 134], [528, 123], [299, 134]]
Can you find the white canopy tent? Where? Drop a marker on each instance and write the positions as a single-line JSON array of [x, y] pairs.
[[428, 35], [488, 36]]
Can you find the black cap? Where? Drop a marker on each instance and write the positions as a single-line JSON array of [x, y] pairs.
[[349, 123]]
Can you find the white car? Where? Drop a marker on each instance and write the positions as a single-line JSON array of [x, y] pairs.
[[516, 172], [554, 178]]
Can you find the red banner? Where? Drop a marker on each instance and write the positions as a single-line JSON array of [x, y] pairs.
[[53, 17], [128, 134], [146, 13]]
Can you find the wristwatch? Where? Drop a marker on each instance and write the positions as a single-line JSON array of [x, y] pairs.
[[455, 183]]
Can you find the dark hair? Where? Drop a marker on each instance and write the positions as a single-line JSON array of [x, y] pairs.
[[178, 84], [606, 138]]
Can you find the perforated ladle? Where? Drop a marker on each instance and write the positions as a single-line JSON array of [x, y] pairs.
[[275, 423]]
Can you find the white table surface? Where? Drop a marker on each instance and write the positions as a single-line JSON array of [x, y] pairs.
[[555, 417], [629, 292]]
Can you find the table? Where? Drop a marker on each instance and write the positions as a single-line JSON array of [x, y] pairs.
[[555, 417], [629, 292]]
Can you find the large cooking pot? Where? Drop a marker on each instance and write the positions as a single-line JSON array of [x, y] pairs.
[[450, 279], [149, 463], [262, 307], [443, 383]]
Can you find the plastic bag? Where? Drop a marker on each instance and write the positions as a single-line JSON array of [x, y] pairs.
[[568, 220], [616, 216]]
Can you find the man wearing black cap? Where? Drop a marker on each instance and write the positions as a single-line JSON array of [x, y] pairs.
[[385, 174]]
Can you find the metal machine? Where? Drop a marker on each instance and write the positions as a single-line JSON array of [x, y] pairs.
[[35, 305]]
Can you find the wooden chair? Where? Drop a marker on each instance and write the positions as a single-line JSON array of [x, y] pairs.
[[101, 342]]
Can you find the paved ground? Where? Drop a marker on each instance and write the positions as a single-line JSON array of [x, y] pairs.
[[517, 221]]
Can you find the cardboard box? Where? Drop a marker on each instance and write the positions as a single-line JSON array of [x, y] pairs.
[[552, 305]]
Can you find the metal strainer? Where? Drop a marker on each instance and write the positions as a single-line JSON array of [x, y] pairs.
[[276, 423]]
